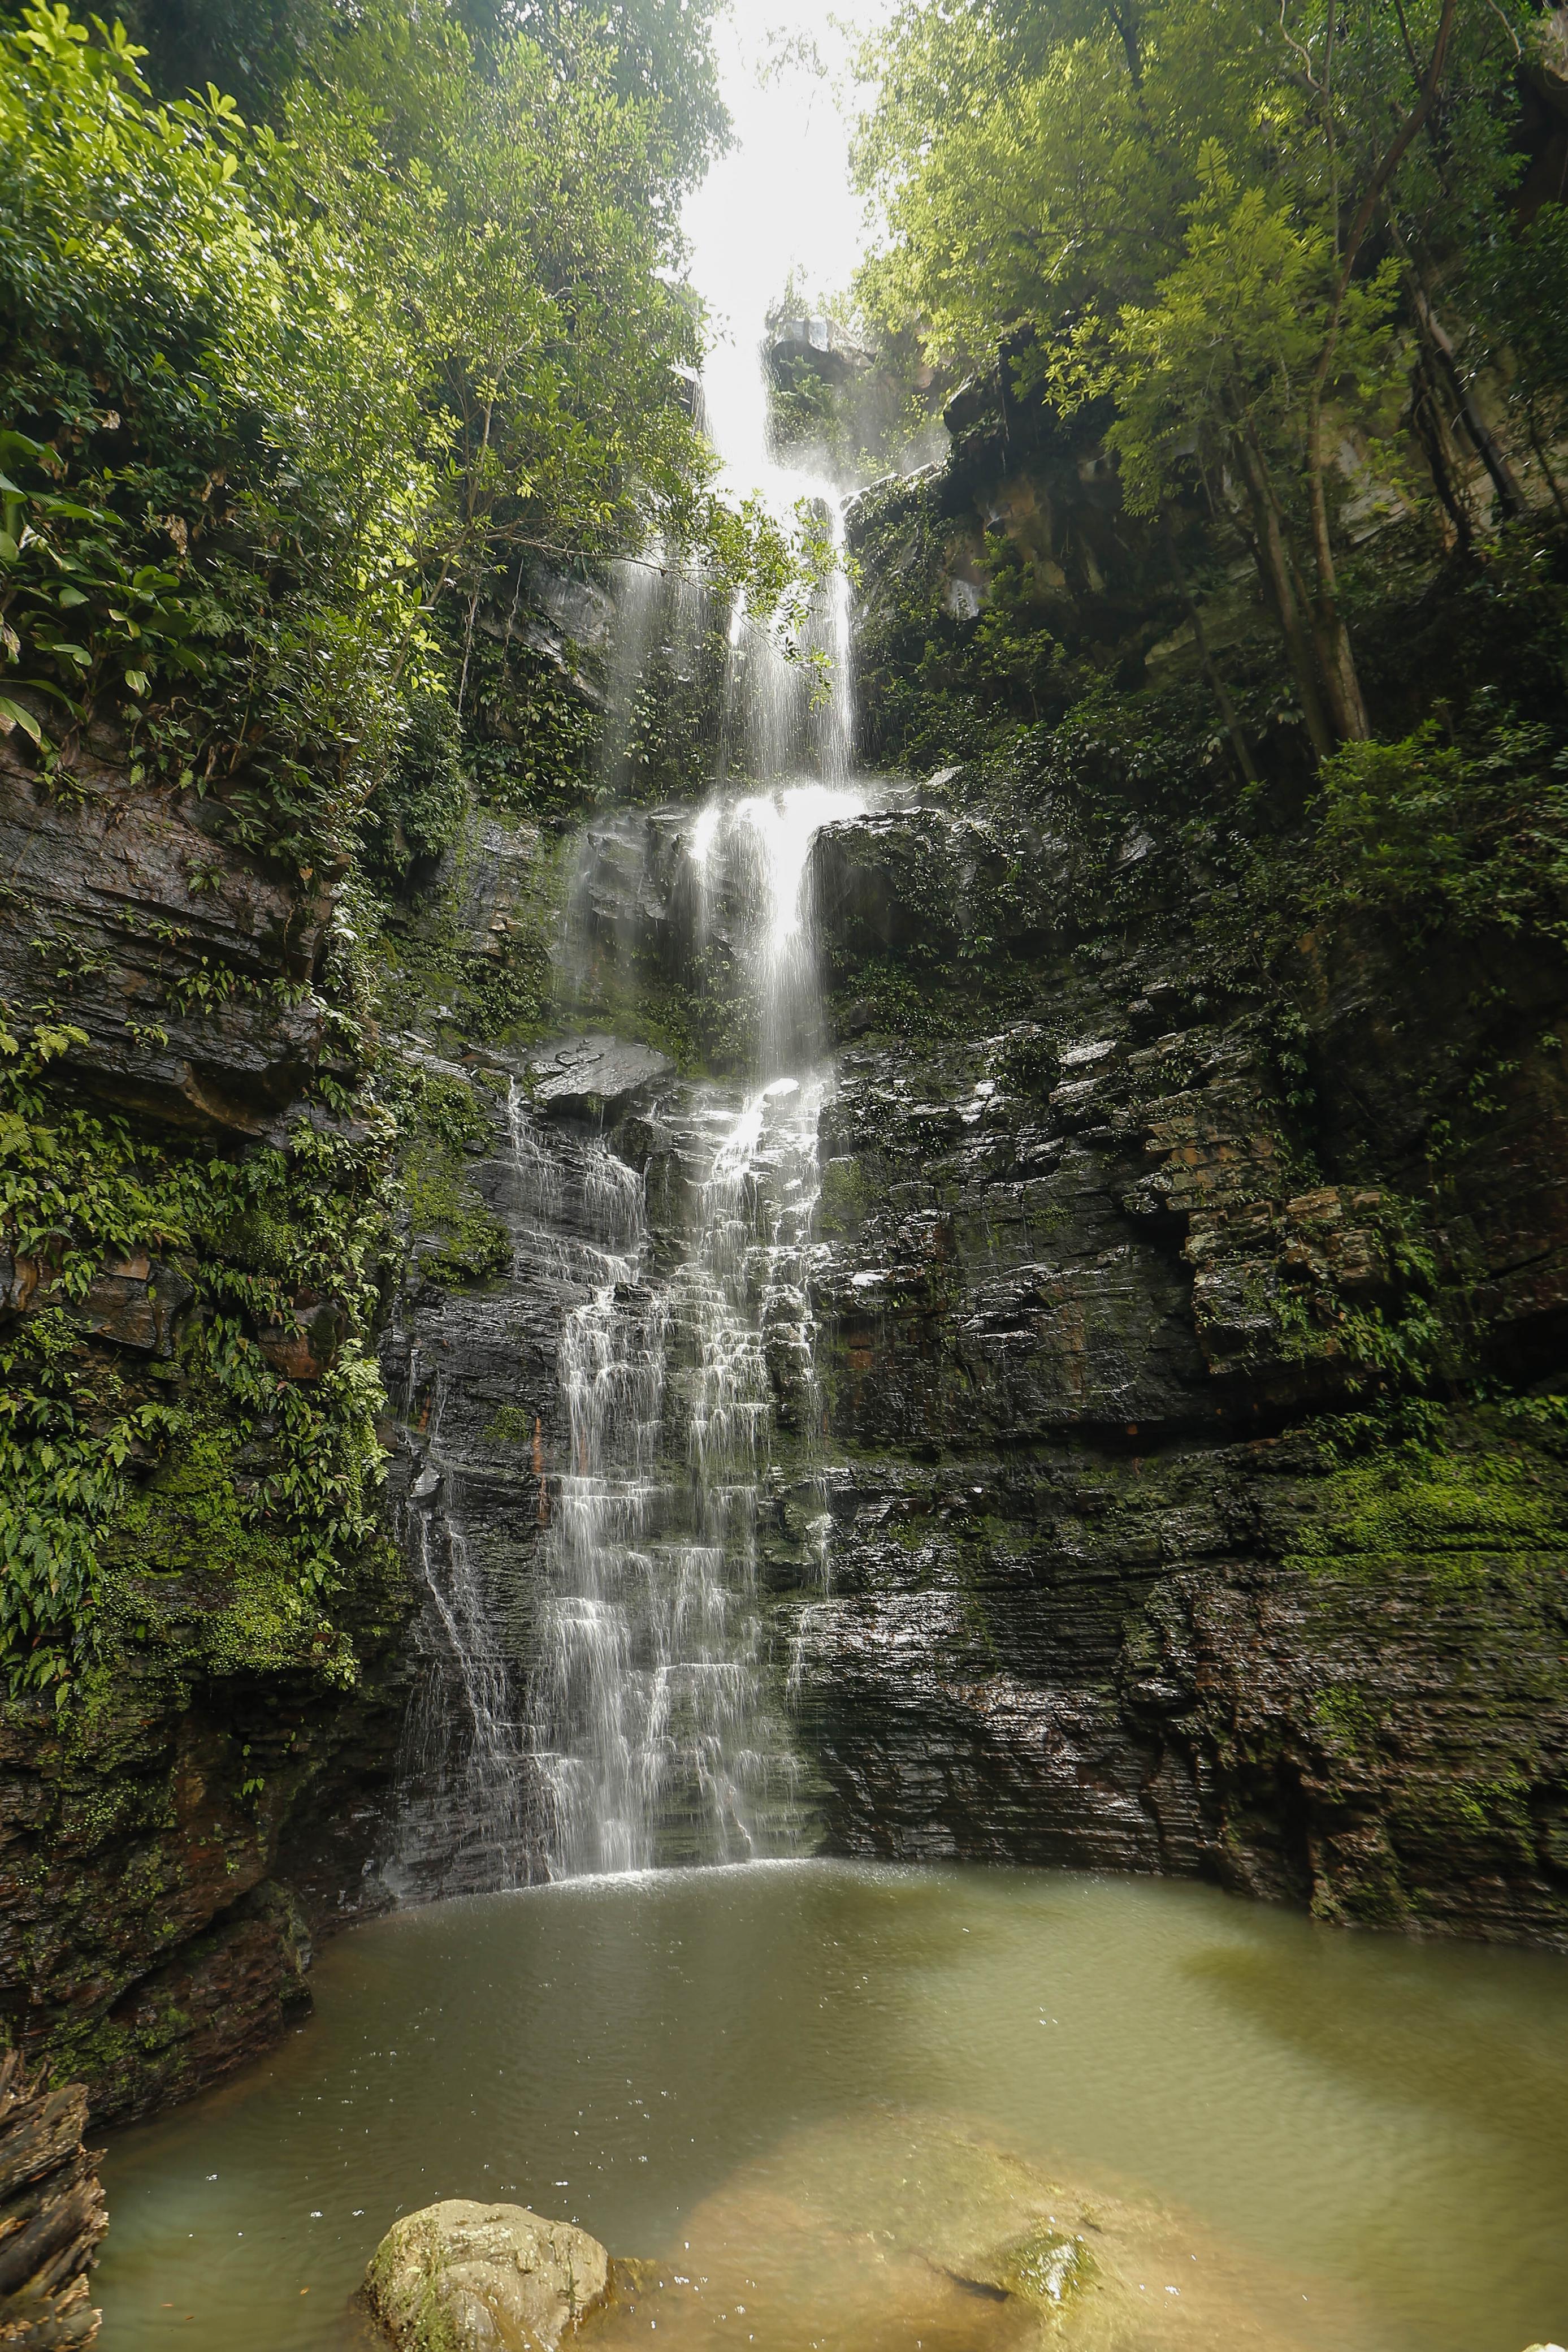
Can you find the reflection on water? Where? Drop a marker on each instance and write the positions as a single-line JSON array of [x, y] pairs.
[[766, 2073]]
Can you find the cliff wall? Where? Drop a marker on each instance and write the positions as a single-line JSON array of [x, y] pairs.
[[1190, 1298], [1158, 1542], [194, 1787]]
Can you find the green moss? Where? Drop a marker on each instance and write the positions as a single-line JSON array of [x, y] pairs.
[[1049, 2268], [1461, 1516], [104, 2050], [509, 1425], [455, 1237], [704, 1018], [432, 967], [430, 2327], [186, 1566], [845, 1196], [1346, 1715]]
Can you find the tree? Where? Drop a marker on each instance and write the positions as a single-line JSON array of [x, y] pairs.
[[275, 397], [1209, 211]]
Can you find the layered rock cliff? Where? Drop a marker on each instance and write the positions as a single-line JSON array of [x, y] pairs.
[[194, 1787], [1138, 1560], [1182, 1488]]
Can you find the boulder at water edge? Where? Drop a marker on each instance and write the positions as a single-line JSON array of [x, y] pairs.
[[461, 2277]]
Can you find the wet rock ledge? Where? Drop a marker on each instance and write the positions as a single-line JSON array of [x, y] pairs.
[[51, 2214]]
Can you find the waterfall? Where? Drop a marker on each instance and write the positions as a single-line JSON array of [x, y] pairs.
[[660, 1715], [609, 1679]]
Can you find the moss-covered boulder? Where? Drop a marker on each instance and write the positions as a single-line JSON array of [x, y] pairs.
[[463, 2277]]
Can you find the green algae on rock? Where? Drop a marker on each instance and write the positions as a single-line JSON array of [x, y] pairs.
[[462, 2278]]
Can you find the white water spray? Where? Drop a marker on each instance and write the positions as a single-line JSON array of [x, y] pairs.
[[656, 1703]]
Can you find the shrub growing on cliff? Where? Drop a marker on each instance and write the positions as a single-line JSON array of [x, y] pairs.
[[1211, 215], [273, 399], [1471, 831]]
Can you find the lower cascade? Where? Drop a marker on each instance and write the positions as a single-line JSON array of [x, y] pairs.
[[655, 1708], [620, 1704]]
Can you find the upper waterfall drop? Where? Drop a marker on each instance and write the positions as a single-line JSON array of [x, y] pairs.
[[612, 1683], [662, 1694]]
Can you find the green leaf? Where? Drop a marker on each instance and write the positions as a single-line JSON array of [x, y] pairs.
[[14, 715]]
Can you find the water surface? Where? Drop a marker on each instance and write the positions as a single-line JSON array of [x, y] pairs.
[[1360, 2143]]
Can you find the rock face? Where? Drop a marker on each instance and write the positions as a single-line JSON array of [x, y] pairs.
[[211, 1800], [1103, 1592], [51, 2214], [1097, 1311], [158, 1921], [597, 1079], [189, 966], [462, 2278]]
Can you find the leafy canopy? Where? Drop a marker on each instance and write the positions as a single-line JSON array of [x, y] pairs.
[[272, 395], [1205, 211]]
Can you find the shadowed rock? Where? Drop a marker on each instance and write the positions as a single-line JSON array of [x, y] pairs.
[[595, 1078]]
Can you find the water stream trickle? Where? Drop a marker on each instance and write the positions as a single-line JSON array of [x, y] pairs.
[[628, 1705], [660, 1715], [471, 1772]]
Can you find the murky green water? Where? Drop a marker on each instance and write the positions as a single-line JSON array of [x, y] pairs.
[[1354, 2142]]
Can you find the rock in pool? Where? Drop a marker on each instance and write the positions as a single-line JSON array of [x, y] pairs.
[[462, 2278]]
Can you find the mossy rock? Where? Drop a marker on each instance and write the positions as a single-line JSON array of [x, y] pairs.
[[464, 2277], [187, 1568], [1047, 2267]]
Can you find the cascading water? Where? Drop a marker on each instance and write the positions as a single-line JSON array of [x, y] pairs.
[[623, 1699], [659, 1713]]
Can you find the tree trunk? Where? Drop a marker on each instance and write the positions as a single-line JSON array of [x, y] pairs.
[[1431, 430], [1336, 662], [1274, 569], [1504, 480], [1216, 685]]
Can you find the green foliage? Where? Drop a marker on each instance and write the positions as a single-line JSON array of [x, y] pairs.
[[1174, 208], [251, 1236], [1519, 285], [417, 813], [66, 1440], [660, 54], [275, 398], [1237, 327], [531, 737], [244, 1605], [1469, 830], [253, 48]]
